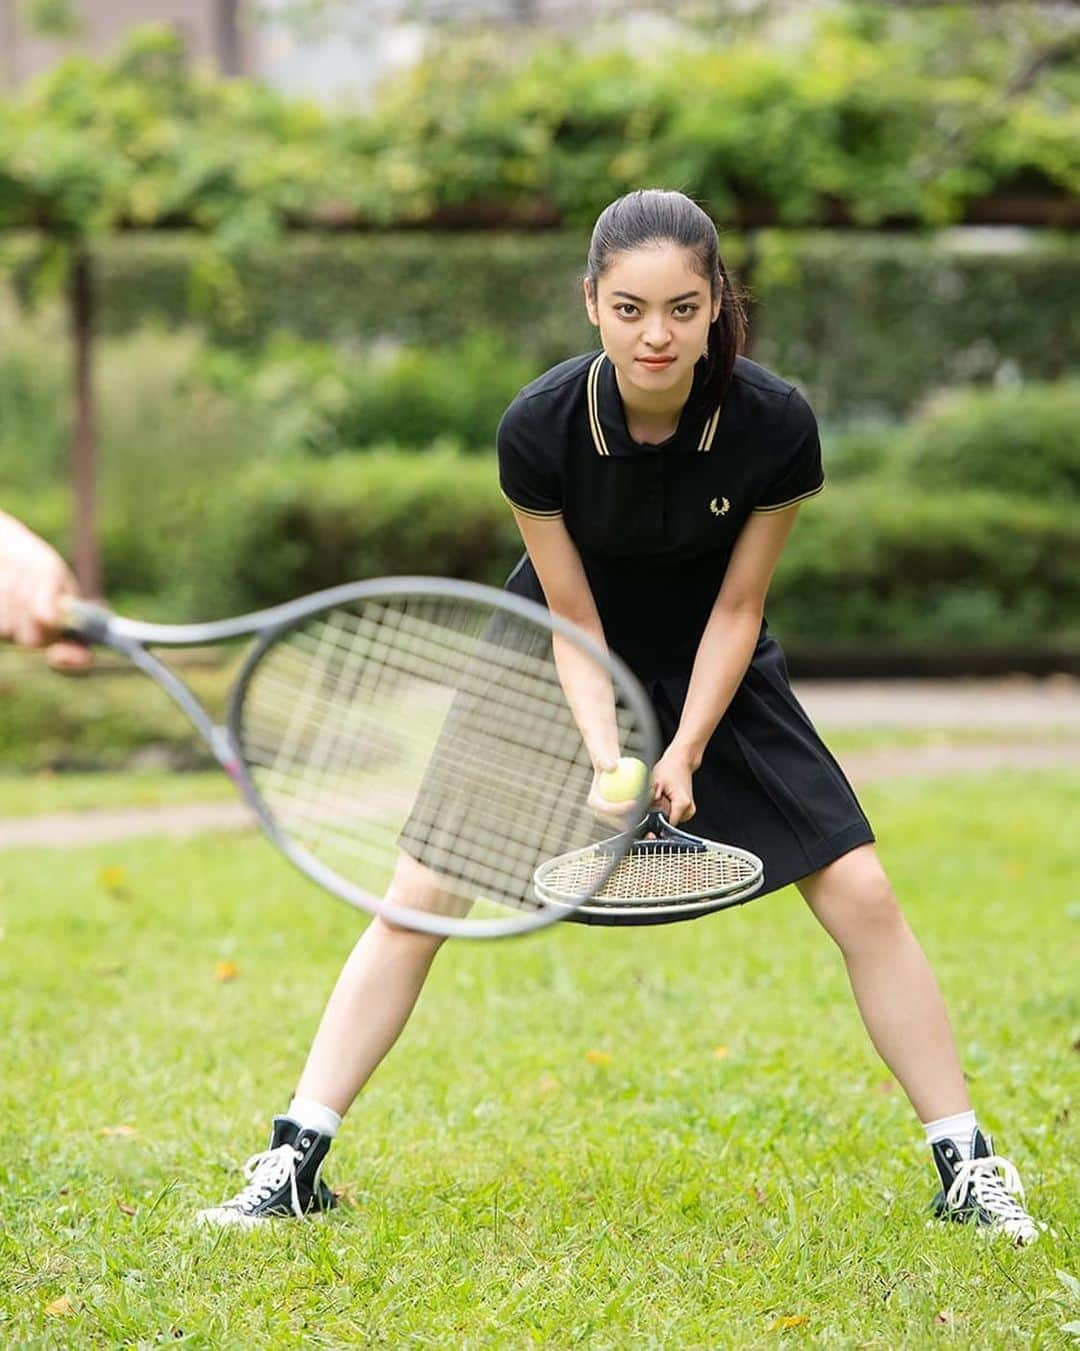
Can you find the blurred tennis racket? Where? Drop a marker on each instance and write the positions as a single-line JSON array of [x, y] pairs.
[[673, 875], [412, 734]]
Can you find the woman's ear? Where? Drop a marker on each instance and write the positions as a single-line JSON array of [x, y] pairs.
[[590, 303], [718, 302]]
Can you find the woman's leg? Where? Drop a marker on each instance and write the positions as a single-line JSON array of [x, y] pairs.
[[894, 987], [904, 1013], [369, 1006], [372, 1000]]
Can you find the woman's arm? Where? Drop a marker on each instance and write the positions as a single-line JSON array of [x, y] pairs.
[[723, 654], [587, 687]]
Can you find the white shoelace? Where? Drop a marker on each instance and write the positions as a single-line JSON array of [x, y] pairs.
[[996, 1195], [267, 1172]]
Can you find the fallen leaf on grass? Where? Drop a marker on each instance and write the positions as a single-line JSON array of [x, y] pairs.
[[226, 971], [125, 1209], [118, 1132], [60, 1308], [113, 879], [721, 1052], [945, 1316], [791, 1320], [598, 1057]]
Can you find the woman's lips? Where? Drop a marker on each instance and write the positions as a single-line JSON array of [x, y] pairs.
[[656, 363]]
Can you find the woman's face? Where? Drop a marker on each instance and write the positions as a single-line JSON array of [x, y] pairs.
[[653, 311]]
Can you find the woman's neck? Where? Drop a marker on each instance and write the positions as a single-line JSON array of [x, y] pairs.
[[653, 417]]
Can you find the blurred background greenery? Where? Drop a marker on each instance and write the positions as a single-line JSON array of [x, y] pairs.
[[303, 317]]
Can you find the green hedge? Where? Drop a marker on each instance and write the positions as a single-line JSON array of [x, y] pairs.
[[1023, 441], [868, 325], [296, 526], [883, 562], [319, 399], [105, 721], [872, 325]]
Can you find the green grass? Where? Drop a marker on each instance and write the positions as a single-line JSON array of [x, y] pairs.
[[36, 794], [843, 740], [504, 1188]]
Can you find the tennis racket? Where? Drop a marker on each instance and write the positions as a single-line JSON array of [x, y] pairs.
[[672, 876], [408, 743]]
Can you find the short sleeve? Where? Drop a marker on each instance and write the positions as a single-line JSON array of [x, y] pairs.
[[800, 474], [527, 475]]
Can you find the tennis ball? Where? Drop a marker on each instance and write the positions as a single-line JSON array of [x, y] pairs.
[[624, 782]]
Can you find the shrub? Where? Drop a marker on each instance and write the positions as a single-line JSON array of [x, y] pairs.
[[884, 561], [292, 526], [1024, 440], [322, 399]]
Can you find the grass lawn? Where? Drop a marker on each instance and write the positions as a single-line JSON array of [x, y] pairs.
[[38, 794], [668, 1138]]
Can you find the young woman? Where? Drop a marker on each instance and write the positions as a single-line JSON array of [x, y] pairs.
[[655, 483]]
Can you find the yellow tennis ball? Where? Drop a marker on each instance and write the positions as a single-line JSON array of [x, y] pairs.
[[625, 781]]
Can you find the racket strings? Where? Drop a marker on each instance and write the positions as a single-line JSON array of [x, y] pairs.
[[672, 874], [331, 696], [433, 727]]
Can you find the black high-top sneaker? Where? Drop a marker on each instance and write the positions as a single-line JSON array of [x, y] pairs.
[[984, 1190], [283, 1180]]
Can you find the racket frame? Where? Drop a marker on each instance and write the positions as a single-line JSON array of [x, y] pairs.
[[96, 624]]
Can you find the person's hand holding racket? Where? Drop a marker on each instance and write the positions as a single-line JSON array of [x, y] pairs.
[[673, 784], [34, 583]]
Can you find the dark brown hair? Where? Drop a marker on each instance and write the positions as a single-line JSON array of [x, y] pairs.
[[659, 216]]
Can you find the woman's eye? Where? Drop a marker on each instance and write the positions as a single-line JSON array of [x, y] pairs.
[[687, 309], [626, 309]]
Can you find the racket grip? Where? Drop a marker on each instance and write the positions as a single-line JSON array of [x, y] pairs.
[[81, 621]]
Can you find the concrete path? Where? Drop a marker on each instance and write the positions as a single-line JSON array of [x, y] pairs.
[[1041, 716], [992, 705]]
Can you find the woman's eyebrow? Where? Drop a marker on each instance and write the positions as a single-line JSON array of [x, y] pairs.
[[686, 295]]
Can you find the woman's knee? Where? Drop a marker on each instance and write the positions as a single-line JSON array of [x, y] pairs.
[[854, 900]]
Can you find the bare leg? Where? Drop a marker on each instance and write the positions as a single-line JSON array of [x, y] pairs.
[[373, 997], [894, 987]]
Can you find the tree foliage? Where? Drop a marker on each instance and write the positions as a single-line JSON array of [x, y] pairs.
[[879, 122]]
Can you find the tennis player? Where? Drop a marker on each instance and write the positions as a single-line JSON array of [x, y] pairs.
[[34, 580], [655, 483]]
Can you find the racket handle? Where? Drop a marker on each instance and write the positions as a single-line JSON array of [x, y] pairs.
[[82, 621]]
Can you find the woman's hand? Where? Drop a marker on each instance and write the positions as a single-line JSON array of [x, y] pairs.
[[617, 814], [673, 790], [34, 580]]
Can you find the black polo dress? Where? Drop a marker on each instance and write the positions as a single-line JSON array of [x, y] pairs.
[[655, 526]]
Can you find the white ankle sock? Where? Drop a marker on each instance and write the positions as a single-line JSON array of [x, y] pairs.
[[313, 1116], [960, 1129]]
